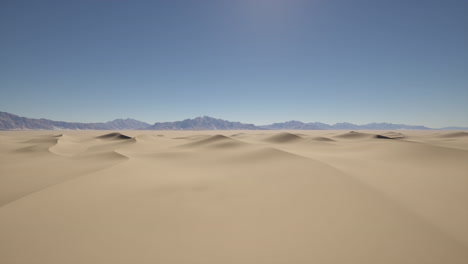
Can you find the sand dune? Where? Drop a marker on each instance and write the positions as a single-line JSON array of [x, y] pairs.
[[355, 135], [326, 139], [392, 134], [283, 137], [216, 141], [454, 134], [383, 137], [233, 197], [37, 145], [114, 136], [361, 135]]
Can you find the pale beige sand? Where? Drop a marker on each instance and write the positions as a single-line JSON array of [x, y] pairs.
[[233, 197]]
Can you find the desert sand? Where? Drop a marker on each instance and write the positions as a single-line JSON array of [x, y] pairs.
[[233, 197]]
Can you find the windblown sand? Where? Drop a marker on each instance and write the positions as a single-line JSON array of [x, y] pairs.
[[233, 197]]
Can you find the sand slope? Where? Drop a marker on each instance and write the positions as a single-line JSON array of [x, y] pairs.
[[233, 197]]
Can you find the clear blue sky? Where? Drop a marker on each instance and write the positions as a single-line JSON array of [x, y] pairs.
[[257, 61]]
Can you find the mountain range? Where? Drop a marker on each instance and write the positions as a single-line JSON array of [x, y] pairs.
[[298, 125], [203, 123], [13, 122]]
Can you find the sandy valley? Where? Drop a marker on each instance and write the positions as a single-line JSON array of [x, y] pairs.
[[233, 197]]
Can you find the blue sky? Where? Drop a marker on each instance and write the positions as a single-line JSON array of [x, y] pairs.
[[256, 61]]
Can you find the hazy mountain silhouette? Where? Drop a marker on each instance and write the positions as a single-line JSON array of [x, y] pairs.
[[13, 122], [203, 123], [297, 125]]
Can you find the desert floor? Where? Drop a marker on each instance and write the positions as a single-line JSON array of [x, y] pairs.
[[233, 197]]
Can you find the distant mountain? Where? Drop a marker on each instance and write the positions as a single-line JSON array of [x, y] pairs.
[[453, 128], [128, 123], [376, 126], [13, 122], [203, 123], [297, 125], [345, 126], [209, 123], [388, 126]]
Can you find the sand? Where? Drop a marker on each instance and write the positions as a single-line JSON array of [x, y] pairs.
[[233, 197]]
